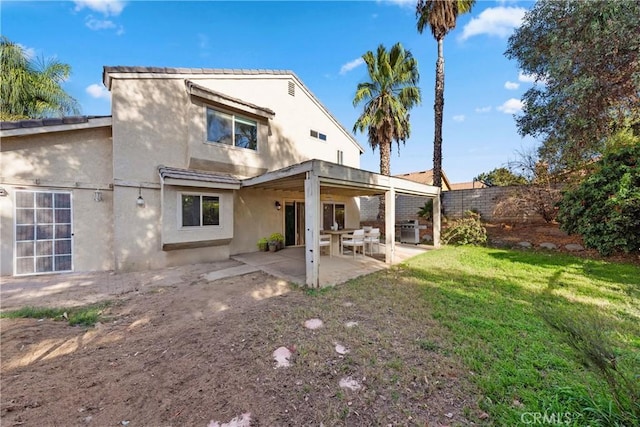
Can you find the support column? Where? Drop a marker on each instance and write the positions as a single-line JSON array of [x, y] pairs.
[[436, 221], [312, 229], [390, 225]]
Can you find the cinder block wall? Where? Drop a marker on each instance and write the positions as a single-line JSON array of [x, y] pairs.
[[454, 203]]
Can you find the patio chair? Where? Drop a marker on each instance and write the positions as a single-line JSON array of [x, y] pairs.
[[325, 241], [354, 240], [372, 238]]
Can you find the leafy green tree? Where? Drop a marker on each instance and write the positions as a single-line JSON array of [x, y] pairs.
[[605, 207], [32, 89], [440, 16], [586, 58], [500, 177], [389, 95]]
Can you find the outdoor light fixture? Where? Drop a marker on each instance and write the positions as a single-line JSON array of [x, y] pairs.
[[140, 200], [278, 205], [97, 195]]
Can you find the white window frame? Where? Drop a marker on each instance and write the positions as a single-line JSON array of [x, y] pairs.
[[233, 117], [35, 257], [200, 194], [334, 212]]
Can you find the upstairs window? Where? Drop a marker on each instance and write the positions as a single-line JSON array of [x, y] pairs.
[[319, 135], [230, 129], [200, 210]]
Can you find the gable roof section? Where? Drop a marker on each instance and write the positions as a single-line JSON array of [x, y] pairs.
[[111, 72], [425, 177]]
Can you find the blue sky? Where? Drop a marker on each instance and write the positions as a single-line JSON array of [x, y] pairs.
[[321, 41]]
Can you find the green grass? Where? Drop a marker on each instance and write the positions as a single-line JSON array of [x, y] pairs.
[[84, 316], [534, 329]]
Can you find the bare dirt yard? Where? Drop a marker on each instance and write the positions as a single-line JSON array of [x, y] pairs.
[[185, 351]]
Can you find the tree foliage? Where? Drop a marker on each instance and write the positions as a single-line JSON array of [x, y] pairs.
[[388, 97], [605, 207], [585, 57], [440, 16], [500, 177], [32, 89]]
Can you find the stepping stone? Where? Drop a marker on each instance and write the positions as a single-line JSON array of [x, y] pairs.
[[243, 420], [313, 324], [340, 349], [351, 324], [548, 245], [350, 383], [348, 304], [281, 356], [526, 245], [574, 247]]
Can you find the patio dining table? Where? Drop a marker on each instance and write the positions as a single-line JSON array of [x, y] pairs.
[[335, 238]]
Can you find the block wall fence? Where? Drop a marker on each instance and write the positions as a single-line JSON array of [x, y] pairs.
[[454, 203]]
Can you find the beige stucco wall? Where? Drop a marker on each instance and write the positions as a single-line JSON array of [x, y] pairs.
[[295, 116], [256, 215], [78, 162]]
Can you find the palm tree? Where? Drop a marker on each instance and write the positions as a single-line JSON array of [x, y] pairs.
[[389, 95], [32, 89], [440, 16]]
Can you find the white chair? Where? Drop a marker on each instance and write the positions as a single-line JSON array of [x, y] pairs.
[[354, 240], [325, 241], [372, 238]]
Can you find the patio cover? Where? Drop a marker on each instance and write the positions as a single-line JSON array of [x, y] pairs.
[[316, 177]]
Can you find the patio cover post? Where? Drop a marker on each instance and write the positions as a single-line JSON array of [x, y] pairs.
[[436, 221], [312, 231], [390, 225]]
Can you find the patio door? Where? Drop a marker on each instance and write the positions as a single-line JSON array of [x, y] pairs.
[[294, 223], [43, 232]]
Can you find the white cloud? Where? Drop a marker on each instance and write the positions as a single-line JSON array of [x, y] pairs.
[[106, 7], [98, 24], [29, 52], [530, 78], [483, 109], [401, 3], [98, 91], [459, 118], [494, 21], [511, 106], [511, 85], [351, 65]]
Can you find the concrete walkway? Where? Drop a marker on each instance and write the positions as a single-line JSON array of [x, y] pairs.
[[72, 289]]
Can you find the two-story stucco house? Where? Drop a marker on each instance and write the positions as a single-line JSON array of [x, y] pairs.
[[194, 165]]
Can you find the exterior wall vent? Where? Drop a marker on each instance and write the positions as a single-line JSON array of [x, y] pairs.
[[292, 89]]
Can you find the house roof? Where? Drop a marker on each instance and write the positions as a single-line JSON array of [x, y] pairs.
[[110, 72], [425, 177], [194, 178], [467, 185], [61, 124]]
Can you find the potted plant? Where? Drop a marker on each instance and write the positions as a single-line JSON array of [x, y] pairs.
[[263, 244], [273, 246], [278, 238]]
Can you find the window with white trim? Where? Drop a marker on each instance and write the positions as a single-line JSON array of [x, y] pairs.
[[230, 129], [333, 213], [199, 210], [340, 159]]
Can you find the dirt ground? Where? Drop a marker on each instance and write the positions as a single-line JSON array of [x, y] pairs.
[[193, 352]]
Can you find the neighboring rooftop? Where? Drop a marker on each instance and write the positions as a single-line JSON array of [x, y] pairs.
[[426, 177]]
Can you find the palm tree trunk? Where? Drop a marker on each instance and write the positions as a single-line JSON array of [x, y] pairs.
[[438, 108], [385, 169]]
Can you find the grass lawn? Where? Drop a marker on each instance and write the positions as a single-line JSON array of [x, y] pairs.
[[540, 332]]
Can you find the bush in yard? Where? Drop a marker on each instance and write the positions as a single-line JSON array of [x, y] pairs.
[[605, 208], [465, 231]]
